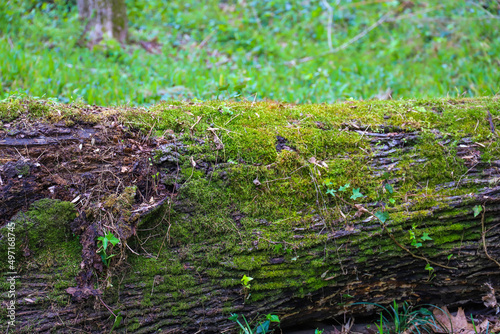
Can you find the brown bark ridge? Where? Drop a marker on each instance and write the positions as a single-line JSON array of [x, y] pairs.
[[323, 206]]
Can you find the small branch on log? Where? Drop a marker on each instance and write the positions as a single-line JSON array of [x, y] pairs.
[[483, 235], [384, 227], [490, 119]]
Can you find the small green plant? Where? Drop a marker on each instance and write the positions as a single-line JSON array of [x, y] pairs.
[[477, 210], [108, 238], [416, 241], [245, 280], [405, 319], [430, 269], [262, 326], [318, 331]]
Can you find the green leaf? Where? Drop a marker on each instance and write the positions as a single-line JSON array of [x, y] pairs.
[[233, 317], [246, 279], [389, 188], [331, 192], [104, 243], [273, 318], [240, 86], [344, 187], [118, 320], [222, 88], [382, 216], [450, 256], [428, 267], [392, 200], [114, 240], [425, 237], [477, 210], [416, 244], [327, 182], [356, 194], [262, 328]]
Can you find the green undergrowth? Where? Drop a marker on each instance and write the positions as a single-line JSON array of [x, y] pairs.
[[422, 49]]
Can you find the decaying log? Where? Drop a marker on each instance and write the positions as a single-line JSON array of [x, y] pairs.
[[272, 197]]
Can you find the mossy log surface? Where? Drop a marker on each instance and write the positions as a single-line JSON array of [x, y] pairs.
[[201, 194]]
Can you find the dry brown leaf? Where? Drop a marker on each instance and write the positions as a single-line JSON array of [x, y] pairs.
[[490, 299], [457, 323], [452, 324]]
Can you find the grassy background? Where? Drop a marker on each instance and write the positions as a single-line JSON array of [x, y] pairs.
[[423, 49]]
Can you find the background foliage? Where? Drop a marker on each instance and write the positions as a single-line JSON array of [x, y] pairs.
[[423, 49]]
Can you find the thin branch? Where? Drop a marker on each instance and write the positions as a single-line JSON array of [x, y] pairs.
[[330, 23], [483, 235], [393, 238], [344, 46], [481, 8]]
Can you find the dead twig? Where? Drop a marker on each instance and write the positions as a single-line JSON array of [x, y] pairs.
[[192, 127], [483, 236], [329, 27], [393, 238], [490, 119]]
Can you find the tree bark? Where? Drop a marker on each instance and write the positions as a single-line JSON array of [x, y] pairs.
[[105, 19], [176, 272]]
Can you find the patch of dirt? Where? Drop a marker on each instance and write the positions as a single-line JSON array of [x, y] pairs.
[[107, 170]]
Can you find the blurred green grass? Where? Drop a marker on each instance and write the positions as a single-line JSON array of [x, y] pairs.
[[423, 49]]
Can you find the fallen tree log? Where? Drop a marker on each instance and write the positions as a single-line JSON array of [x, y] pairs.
[[322, 205]]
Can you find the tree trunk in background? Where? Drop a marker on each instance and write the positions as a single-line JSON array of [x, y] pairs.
[[105, 19]]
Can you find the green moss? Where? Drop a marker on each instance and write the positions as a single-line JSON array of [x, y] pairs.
[[43, 228], [223, 223], [10, 110]]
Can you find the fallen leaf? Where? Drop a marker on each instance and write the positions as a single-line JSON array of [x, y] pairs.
[[455, 324], [490, 300]]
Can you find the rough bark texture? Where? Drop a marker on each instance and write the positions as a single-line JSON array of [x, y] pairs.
[[104, 19], [200, 198]]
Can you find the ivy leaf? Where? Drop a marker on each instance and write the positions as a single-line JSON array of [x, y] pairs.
[[425, 237], [416, 244], [327, 182], [477, 210], [382, 216], [246, 279], [331, 192], [356, 194], [272, 318], [344, 187], [104, 242], [389, 188], [111, 238]]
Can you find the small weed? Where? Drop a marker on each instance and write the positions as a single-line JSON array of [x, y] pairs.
[[108, 238], [262, 326], [405, 319], [417, 241]]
